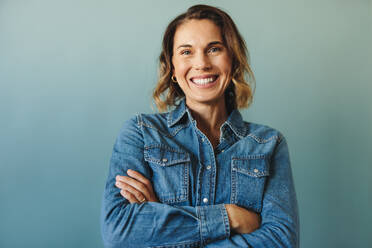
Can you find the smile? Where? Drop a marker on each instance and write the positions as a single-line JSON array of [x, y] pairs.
[[204, 81]]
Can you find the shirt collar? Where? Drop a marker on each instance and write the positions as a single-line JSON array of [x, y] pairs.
[[176, 114], [236, 124], [234, 121]]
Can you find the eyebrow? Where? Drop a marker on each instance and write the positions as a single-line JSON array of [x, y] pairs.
[[209, 44]]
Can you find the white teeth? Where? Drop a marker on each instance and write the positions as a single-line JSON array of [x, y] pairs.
[[203, 80]]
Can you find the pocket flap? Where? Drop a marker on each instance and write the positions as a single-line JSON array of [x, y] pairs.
[[165, 156], [254, 165]]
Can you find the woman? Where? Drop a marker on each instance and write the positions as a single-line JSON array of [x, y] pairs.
[[199, 176]]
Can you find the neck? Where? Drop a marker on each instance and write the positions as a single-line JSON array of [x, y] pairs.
[[209, 118]]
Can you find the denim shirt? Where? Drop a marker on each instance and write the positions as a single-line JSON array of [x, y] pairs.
[[250, 167]]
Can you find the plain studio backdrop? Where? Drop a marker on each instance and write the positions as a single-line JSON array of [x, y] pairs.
[[72, 71]]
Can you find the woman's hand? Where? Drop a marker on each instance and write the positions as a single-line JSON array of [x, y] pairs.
[[242, 220], [136, 188]]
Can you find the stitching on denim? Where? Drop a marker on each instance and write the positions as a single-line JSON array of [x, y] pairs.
[[184, 244], [250, 157], [213, 182], [139, 119], [210, 195], [235, 130], [184, 162], [233, 184], [199, 223], [261, 140], [261, 176], [225, 219], [202, 224], [170, 117], [162, 164], [171, 149], [184, 159], [260, 173], [199, 182], [205, 230], [142, 123], [186, 182], [212, 159], [169, 199], [174, 133]]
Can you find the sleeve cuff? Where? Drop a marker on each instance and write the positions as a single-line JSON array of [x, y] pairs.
[[214, 222]]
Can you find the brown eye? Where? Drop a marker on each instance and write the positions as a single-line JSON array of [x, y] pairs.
[[214, 49]]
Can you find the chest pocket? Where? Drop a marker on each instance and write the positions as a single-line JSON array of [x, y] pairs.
[[170, 172], [248, 177]]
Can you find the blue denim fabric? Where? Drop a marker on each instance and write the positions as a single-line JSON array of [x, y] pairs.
[[250, 167]]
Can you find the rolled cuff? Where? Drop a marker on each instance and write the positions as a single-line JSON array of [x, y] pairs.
[[214, 223]]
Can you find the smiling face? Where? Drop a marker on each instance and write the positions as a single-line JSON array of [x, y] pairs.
[[202, 64]]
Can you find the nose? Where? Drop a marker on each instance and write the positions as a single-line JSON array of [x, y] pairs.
[[202, 62]]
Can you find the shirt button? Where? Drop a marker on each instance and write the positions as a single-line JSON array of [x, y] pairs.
[[209, 167], [203, 139], [164, 160], [222, 150], [255, 171], [205, 200]]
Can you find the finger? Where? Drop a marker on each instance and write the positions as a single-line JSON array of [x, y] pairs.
[[127, 195], [122, 192], [135, 184], [126, 187], [138, 176]]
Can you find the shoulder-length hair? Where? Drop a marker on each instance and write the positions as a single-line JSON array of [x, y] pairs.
[[239, 94]]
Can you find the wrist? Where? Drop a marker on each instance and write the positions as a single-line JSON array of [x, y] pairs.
[[234, 224]]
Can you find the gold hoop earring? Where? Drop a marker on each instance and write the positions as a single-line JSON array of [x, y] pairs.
[[174, 79]]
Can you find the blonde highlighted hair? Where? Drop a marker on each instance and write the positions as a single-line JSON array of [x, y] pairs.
[[239, 93]]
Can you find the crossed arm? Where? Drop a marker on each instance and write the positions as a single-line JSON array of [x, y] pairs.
[[137, 189], [124, 221]]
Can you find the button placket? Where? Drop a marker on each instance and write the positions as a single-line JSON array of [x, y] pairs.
[[207, 175]]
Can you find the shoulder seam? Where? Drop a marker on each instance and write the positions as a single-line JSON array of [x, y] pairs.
[[262, 141], [142, 123]]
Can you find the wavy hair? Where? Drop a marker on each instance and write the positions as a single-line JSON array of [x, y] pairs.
[[239, 93]]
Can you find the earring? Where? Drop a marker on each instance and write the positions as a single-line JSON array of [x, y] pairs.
[[173, 78]]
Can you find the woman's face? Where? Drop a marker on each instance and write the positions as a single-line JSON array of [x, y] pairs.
[[202, 64]]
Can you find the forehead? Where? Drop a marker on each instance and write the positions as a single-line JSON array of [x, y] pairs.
[[196, 32]]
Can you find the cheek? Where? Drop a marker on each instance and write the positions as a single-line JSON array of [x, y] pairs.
[[224, 63], [180, 68]]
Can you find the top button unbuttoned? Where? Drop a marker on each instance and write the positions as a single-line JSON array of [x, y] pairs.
[[255, 171]]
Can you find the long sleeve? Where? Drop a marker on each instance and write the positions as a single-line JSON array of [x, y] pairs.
[[152, 224], [280, 223]]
